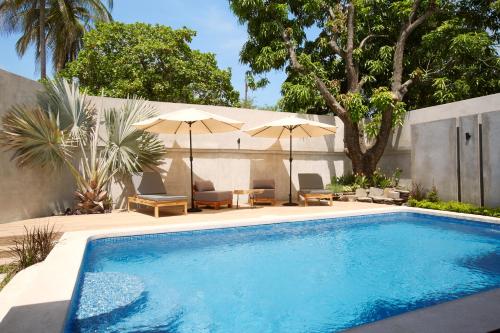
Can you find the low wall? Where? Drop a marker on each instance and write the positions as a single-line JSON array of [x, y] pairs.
[[27, 193]]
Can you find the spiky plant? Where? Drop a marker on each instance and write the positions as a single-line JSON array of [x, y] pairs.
[[128, 148], [63, 131], [95, 174]]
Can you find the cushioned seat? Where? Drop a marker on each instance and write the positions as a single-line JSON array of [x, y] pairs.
[[267, 191], [149, 191], [213, 195], [312, 187], [161, 197], [205, 194]]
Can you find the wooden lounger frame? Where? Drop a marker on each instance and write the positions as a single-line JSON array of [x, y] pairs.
[[254, 200], [319, 196], [214, 204], [156, 204]]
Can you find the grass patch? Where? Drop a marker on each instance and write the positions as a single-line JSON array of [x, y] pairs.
[[32, 248], [8, 269], [455, 206]]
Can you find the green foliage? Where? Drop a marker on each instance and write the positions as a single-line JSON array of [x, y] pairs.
[[154, 62], [345, 179], [396, 176], [432, 195], [454, 206], [34, 247], [254, 83], [458, 45], [378, 179], [127, 148], [35, 137], [65, 24], [335, 188]]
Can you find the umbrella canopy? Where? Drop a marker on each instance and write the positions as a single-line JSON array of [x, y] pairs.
[[189, 120], [299, 127], [291, 127]]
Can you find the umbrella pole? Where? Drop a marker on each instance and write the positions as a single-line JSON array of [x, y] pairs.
[[193, 209], [290, 203]]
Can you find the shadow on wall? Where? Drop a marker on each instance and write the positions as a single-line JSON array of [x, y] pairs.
[[41, 317], [273, 168], [330, 144], [174, 171], [178, 174]]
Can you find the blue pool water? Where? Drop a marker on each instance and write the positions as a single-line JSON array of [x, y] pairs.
[[313, 276]]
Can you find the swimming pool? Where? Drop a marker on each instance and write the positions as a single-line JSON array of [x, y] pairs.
[[312, 276]]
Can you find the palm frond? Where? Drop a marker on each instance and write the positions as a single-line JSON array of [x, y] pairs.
[[63, 99], [129, 148], [35, 137]]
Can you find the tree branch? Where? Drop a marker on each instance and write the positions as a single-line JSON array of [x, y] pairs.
[[333, 38], [406, 30], [365, 40], [291, 51], [330, 100]]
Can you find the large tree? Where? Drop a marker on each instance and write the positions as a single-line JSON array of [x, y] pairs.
[[154, 62], [358, 59], [54, 24]]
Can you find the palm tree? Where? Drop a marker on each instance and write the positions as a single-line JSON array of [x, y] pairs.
[[63, 132], [58, 24], [68, 21]]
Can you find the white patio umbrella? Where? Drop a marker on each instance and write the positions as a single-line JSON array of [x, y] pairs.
[[189, 121], [292, 127]]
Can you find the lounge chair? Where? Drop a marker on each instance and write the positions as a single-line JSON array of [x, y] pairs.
[[268, 191], [311, 187], [206, 195], [149, 191], [361, 195]]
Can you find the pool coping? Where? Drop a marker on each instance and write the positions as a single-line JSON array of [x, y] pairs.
[[39, 298]]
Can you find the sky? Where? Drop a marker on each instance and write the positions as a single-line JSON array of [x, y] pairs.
[[218, 31]]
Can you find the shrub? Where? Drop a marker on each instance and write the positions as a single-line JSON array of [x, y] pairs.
[[432, 196], [455, 206], [417, 191], [361, 181], [335, 188], [34, 247], [396, 176], [347, 179]]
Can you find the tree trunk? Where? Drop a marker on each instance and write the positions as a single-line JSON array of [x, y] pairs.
[[43, 47], [364, 160]]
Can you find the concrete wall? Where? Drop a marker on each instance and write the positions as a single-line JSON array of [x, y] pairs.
[[434, 156], [491, 159], [26, 193], [434, 149]]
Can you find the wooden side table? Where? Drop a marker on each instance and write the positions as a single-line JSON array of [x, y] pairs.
[[249, 192]]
